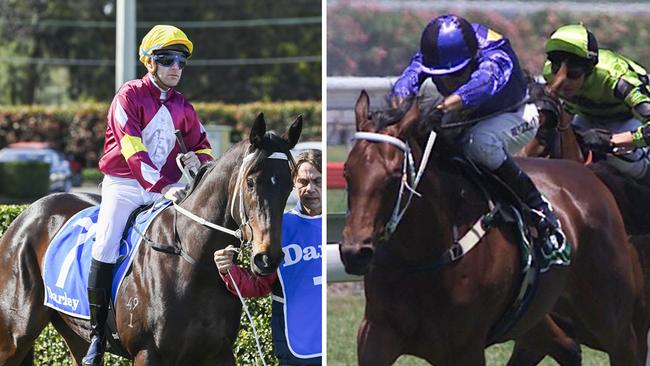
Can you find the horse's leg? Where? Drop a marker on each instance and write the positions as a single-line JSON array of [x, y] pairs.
[[377, 346], [147, 358], [29, 359], [522, 356], [76, 345], [625, 351], [229, 359], [546, 338], [18, 341], [472, 355]]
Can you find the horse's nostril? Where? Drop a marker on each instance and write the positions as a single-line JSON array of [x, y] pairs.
[[262, 261], [366, 253]]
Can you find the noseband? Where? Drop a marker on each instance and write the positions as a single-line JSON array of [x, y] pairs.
[[410, 178]]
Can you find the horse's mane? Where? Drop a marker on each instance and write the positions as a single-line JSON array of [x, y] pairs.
[[390, 116], [271, 143]]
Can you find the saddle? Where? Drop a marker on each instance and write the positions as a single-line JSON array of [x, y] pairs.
[[513, 213], [66, 264]]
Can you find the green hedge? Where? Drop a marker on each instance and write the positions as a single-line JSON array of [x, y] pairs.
[[51, 350], [24, 179], [78, 129]]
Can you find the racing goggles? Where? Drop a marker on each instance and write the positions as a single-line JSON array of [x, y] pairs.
[[169, 58], [572, 72]]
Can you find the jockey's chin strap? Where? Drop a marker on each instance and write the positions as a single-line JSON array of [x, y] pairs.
[[238, 194], [410, 177]]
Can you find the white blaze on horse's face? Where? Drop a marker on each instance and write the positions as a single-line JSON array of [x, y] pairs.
[[273, 180]]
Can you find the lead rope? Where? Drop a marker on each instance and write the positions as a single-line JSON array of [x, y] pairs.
[[244, 221], [250, 318]]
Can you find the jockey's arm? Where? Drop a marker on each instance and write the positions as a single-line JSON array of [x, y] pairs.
[[636, 95], [489, 78], [195, 135], [409, 81]]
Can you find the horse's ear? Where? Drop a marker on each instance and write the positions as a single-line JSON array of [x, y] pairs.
[[257, 131], [411, 118], [361, 111], [293, 134]]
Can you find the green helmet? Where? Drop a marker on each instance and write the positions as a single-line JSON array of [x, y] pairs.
[[573, 40]]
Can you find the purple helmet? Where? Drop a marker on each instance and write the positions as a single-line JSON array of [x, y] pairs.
[[447, 45]]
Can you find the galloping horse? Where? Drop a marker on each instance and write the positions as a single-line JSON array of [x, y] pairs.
[[561, 140], [424, 299], [168, 310], [563, 143]]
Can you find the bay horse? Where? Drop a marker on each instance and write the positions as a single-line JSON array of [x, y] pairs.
[[168, 310], [443, 311], [560, 141]]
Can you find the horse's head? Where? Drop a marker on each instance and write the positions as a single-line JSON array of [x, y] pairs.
[[373, 173], [262, 188]]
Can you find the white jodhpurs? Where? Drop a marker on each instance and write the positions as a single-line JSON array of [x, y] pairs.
[[120, 196], [489, 141]]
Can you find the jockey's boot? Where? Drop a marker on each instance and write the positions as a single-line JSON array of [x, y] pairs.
[[99, 294], [545, 221]]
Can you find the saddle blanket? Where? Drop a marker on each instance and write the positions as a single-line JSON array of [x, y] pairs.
[[67, 260]]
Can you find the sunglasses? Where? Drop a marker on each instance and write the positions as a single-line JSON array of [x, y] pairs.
[[573, 72], [168, 59]]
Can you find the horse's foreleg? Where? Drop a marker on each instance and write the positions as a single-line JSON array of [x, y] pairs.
[[546, 338], [377, 346], [522, 356], [21, 330], [229, 359], [76, 345], [147, 358]]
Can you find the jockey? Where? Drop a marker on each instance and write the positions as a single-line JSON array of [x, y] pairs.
[[478, 73], [139, 159], [297, 284], [608, 94]]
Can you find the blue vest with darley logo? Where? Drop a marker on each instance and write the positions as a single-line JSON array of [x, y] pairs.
[[300, 276]]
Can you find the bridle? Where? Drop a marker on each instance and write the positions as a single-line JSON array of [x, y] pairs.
[[410, 180], [238, 194], [410, 177]]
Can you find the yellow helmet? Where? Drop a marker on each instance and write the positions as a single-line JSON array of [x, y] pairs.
[[163, 36]]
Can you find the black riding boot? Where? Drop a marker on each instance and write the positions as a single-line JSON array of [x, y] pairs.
[[545, 220], [99, 293]]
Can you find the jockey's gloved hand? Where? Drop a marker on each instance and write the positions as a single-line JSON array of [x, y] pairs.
[[432, 122], [172, 193], [191, 161], [598, 140]]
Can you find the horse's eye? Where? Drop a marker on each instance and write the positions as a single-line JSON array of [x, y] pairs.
[[250, 182]]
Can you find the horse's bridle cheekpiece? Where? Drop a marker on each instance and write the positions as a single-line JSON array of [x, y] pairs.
[[410, 178], [237, 194]]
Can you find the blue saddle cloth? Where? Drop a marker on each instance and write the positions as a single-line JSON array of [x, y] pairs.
[[67, 260]]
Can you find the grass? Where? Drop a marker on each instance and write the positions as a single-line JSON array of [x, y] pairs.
[[336, 201], [344, 314], [337, 153]]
